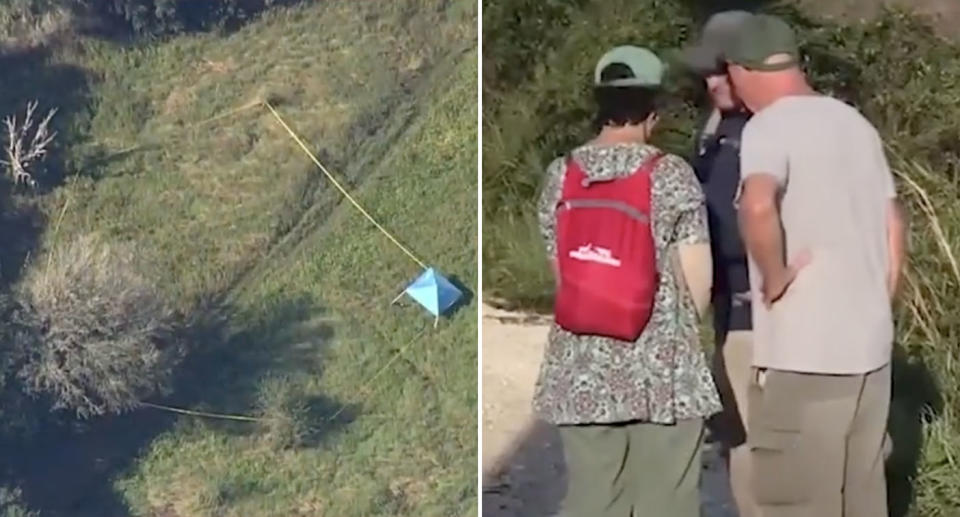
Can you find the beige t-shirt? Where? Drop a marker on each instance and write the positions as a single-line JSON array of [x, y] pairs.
[[836, 187]]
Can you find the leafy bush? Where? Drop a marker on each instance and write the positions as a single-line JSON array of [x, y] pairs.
[[171, 16], [530, 119], [29, 23], [11, 504], [104, 338]]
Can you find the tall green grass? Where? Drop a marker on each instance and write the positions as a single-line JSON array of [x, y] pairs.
[[410, 449], [903, 78], [530, 118], [206, 201]]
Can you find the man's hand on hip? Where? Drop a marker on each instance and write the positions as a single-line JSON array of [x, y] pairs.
[[776, 285]]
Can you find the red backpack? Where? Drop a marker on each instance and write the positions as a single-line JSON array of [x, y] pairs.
[[606, 254]]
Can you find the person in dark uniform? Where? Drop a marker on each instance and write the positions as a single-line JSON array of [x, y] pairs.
[[717, 165]]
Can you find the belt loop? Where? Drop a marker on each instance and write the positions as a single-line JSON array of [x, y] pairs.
[[761, 376]]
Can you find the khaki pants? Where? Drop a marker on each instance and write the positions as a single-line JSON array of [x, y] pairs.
[[732, 369], [817, 443], [633, 470]]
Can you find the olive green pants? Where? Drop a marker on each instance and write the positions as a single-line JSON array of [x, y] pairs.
[[633, 470]]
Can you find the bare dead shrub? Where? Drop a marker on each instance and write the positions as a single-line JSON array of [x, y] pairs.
[[26, 145]]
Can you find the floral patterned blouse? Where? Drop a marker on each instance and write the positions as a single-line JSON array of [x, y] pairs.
[[663, 376]]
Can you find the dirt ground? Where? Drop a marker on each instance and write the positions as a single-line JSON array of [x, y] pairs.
[[523, 471]]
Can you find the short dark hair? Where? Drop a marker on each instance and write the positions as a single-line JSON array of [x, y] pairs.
[[623, 105]]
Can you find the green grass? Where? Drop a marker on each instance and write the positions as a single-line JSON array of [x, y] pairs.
[[412, 448], [234, 212], [213, 198]]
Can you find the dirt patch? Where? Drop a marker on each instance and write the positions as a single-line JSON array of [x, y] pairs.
[[523, 468]]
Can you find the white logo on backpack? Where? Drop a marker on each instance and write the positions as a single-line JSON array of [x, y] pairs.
[[591, 253]]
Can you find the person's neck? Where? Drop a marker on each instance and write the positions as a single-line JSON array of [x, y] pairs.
[[621, 135], [799, 89], [790, 89]]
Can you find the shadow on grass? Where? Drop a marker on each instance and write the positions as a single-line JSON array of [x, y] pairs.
[[115, 22], [93, 160], [35, 74], [32, 75], [21, 224], [916, 401], [465, 300], [70, 469]]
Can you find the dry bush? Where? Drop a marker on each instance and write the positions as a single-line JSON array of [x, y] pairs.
[[283, 411], [106, 336], [29, 24]]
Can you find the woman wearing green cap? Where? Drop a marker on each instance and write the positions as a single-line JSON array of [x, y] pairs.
[[630, 412]]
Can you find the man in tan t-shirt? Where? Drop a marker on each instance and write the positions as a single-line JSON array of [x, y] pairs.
[[825, 237]]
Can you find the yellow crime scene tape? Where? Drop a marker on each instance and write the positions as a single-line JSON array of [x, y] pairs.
[[365, 387]]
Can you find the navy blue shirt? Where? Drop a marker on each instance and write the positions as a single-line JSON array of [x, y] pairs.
[[717, 164]]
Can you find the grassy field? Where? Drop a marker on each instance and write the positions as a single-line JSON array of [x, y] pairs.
[[407, 444], [288, 287], [910, 91]]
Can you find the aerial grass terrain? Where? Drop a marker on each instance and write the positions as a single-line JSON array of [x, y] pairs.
[[893, 67], [349, 405]]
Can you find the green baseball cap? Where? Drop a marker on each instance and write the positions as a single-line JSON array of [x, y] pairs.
[[705, 57], [642, 67], [760, 37]]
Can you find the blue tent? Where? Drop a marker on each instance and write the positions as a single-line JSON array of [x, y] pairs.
[[434, 292]]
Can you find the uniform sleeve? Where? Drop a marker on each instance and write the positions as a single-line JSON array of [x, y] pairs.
[[547, 204], [762, 151], [686, 203]]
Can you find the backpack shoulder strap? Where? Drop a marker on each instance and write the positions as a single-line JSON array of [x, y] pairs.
[[571, 179]]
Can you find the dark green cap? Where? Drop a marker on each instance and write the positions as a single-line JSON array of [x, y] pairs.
[[705, 57], [761, 37], [643, 67]]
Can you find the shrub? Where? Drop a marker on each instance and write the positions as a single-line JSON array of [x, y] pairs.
[[32, 23], [158, 17], [530, 118], [11, 504], [283, 412], [105, 337]]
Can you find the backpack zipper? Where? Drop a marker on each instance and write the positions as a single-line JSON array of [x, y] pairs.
[[619, 206]]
